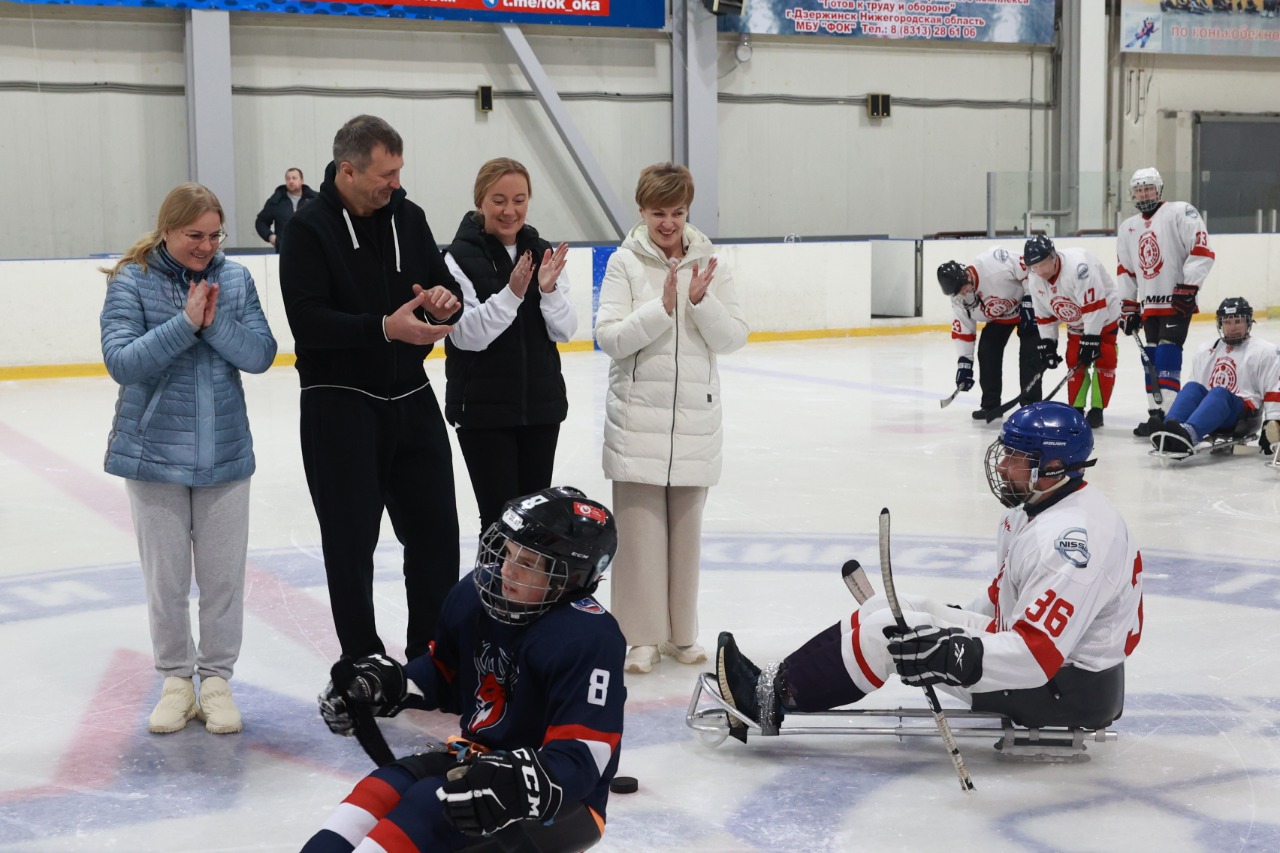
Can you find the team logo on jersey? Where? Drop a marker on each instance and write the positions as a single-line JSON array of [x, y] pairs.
[[496, 672], [1001, 255], [997, 307], [1191, 213], [1149, 255], [1223, 374], [1073, 545], [588, 605], [1082, 271], [1064, 309]]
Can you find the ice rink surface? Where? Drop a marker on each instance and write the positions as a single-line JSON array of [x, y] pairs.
[[819, 436]]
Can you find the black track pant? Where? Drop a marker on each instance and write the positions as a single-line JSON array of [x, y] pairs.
[[991, 344], [507, 462], [362, 455]]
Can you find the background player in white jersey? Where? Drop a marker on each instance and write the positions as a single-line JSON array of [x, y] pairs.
[[1233, 378], [1045, 643], [992, 289], [1164, 257], [1071, 286]]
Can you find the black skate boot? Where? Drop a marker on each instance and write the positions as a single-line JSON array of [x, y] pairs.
[[1151, 425], [740, 686], [1094, 418], [1175, 439]]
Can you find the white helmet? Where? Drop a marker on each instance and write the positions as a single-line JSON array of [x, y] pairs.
[[1147, 177]]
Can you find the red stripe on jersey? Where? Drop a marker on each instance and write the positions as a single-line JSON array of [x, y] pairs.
[[1094, 306], [1202, 252], [582, 733], [1040, 646], [1271, 397], [1120, 270], [374, 796], [1131, 641], [447, 672], [392, 838], [870, 675], [1249, 406], [956, 336], [993, 591], [1044, 321]]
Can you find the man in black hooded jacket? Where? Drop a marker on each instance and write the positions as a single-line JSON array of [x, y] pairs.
[[279, 209], [367, 294]]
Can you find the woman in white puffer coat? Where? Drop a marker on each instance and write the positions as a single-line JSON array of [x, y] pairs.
[[666, 311]]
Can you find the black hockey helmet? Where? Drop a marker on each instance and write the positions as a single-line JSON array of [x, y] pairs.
[[1235, 306], [1037, 249], [547, 547], [953, 276]]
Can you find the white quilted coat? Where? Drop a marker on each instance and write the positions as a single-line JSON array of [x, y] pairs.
[[662, 413]]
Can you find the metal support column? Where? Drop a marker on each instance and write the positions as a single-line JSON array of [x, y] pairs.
[[695, 117], [210, 141]]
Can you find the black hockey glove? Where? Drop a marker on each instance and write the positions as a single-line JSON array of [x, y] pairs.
[[1026, 316], [931, 655], [1184, 298], [964, 373], [1090, 349], [1130, 317], [498, 789], [379, 682], [1048, 351]]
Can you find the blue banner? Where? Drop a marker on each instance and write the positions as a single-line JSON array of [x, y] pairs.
[[1209, 27], [1007, 22], [649, 14]]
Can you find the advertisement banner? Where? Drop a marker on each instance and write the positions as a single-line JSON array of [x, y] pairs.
[[649, 14], [1002, 21], [1208, 27]]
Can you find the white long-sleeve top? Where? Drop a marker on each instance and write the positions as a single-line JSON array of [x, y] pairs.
[[482, 322]]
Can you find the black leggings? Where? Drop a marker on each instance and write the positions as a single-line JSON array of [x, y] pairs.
[[507, 462], [991, 344]]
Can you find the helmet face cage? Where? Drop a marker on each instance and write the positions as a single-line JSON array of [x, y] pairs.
[[1146, 178], [516, 583], [1235, 306], [1008, 493], [1040, 431]]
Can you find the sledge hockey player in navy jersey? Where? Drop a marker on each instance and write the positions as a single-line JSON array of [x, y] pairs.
[[1071, 286], [1164, 258], [1235, 380], [533, 666], [992, 289], [1044, 644]]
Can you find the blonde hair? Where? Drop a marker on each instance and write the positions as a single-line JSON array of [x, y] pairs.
[[184, 204], [664, 185], [492, 172]]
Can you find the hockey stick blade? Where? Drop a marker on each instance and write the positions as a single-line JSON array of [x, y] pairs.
[[951, 399], [944, 728], [1005, 407], [856, 580]]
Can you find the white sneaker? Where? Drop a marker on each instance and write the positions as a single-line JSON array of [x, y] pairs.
[[217, 708], [177, 705], [641, 659], [692, 653]]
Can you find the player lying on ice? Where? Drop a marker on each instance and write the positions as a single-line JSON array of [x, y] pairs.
[[1044, 644], [533, 665], [1234, 384]]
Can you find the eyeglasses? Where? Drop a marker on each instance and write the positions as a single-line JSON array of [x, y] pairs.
[[197, 238]]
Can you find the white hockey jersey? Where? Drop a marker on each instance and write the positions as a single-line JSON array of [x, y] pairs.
[[1081, 295], [1001, 284], [1250, 370], [1069, 591], [1155, 254]]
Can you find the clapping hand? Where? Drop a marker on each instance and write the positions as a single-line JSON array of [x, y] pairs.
[[669, 287], [701, 281], [202, 302], [403, 324], [552, 266], [520, 276], [438, 301]]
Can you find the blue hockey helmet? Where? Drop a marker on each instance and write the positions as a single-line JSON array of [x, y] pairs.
[[1037, 249], [547, 547], [1054, 438]]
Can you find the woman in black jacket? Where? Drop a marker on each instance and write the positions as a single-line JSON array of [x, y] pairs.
[[505, 392]]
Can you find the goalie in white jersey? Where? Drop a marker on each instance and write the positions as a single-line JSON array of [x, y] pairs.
[[1045, 643], [1234, 381], [992, 289], [1164, 258]]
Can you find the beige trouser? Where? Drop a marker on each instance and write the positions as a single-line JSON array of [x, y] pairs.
[[654, 578]]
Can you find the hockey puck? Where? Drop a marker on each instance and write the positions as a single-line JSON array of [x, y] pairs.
[[624, 785]]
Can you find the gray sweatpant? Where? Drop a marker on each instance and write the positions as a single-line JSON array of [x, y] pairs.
[[653, 581], [179, 525]]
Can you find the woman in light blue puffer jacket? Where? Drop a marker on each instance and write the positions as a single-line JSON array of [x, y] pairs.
[[179, 324]]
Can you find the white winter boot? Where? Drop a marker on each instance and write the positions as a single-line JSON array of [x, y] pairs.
[[692, 653], [217, 708], [177, 705], [641, 659]]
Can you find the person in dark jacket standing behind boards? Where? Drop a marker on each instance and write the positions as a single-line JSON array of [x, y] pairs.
[[367, 295], [505, 391], [281, 207]]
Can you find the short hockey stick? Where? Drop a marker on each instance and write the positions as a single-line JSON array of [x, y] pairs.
[[1005, 407], [856, 580], [368, 734], [1149, 369], [944, 728], [949, 400]]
